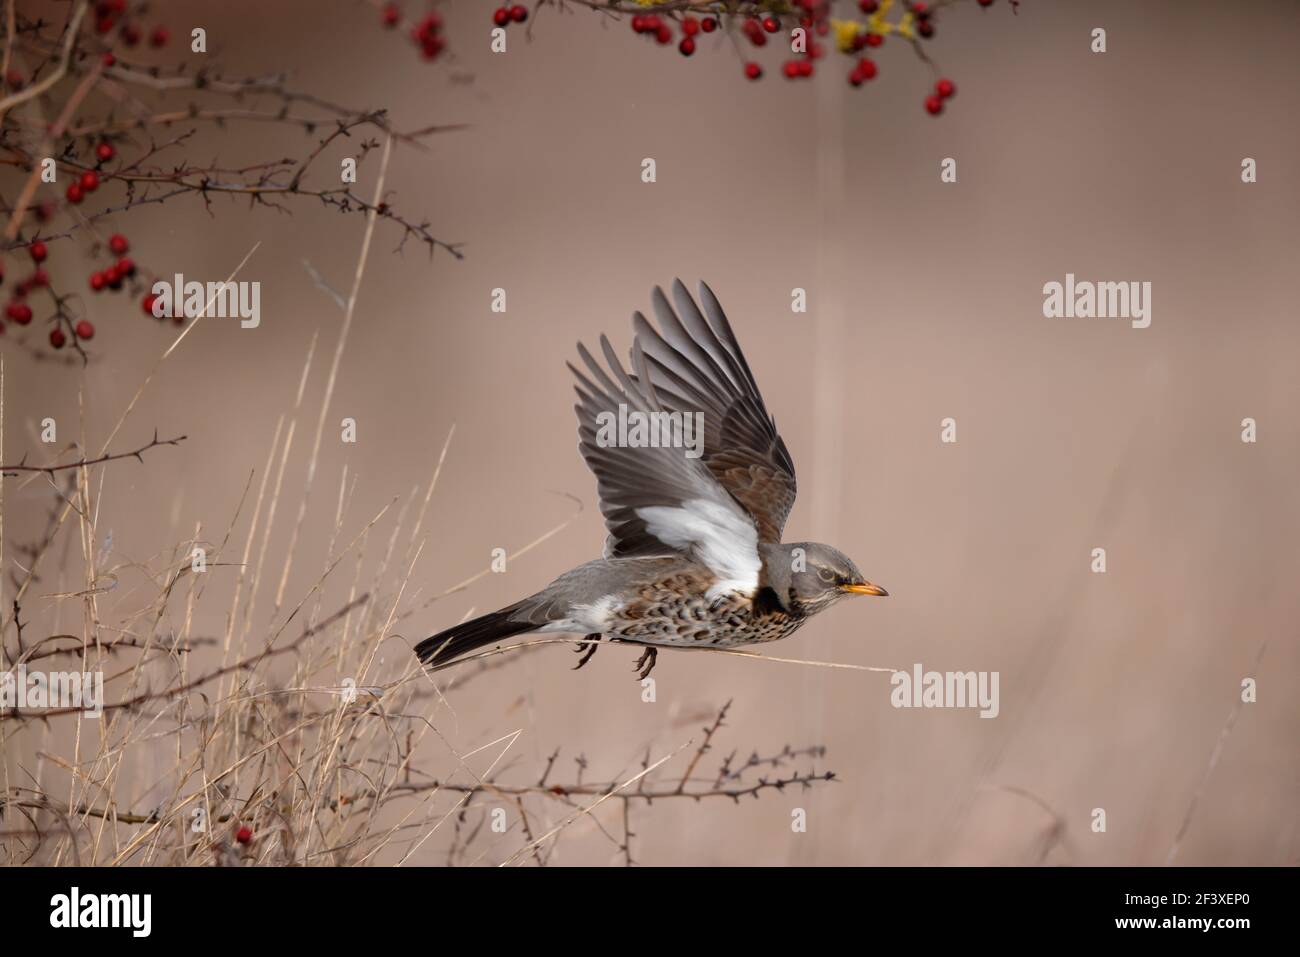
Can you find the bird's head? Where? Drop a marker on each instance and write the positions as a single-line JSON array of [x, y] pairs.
[[818, 575]]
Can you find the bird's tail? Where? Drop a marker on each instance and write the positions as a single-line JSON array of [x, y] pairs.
[[475, 633]]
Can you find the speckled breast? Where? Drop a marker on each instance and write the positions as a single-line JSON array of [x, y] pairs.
[[677, 612]]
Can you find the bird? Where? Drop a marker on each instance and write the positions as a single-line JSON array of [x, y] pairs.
[[695, 485]]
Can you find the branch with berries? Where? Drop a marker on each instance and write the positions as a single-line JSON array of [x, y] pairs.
[[857, 30], [62, 152]]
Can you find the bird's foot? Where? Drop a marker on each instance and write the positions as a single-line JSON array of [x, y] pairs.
[[587, 650], [646, 663]]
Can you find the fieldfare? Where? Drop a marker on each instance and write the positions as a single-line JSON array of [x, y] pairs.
[[695, 485]]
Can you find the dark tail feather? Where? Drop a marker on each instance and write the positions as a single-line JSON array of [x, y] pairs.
[[476, 633]]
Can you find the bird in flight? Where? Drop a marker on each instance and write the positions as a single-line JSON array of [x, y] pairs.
[[695, 485]]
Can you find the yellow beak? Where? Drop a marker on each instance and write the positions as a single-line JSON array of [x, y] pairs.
[[866, 588]]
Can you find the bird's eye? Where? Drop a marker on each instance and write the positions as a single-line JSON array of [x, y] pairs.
[[826, 575]]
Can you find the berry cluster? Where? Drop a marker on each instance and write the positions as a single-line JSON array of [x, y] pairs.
[[653, 25], [426, 33], [943, 90], [808, 21], [504, 16], [924, 19], [89, 180], [110, 15], [119, 272], [19, 312]]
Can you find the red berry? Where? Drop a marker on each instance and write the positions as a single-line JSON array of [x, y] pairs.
[[868, 6], [118, 244], [19, 312], [758, 38], [708, 24], [501, 16], [159, 37], [104, 24], [57, 338], [75, 193], [690, 26], [147, 303], [664, 34], [391, 15], [109, 59], [933, 105], [925, 28], [244, 835], [130, 34], [687, 46], [39, 250], [114, 277], [874, 39], [867, 68], [945, 88], [986, 3], [771, 24], [519, 13], [855, 77], [39, 278], [45, 211], [89, 181], [790, 68], [14, 80], [805, 68], [921, 9], [753, 71], [125, 266], [105, 152], [85, 330], [97, 281]]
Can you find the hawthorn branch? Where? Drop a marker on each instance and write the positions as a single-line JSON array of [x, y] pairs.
[[11, 471], [36, 89], [244, 664]]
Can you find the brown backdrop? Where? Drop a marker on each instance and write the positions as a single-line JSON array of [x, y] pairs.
[[925, 302]]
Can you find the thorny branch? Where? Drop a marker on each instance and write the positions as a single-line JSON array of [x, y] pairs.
[[137, 454], [58, 74], [245, 664]]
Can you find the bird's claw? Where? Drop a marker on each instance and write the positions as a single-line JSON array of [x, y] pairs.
[[646, 663], [587, 650]]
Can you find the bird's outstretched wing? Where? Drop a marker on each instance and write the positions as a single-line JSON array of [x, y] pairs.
[[696, 364], [714, 498]]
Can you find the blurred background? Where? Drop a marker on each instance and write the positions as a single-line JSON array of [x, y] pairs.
[[925, 302]]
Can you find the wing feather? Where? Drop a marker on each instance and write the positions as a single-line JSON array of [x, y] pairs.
[[659, 500]]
